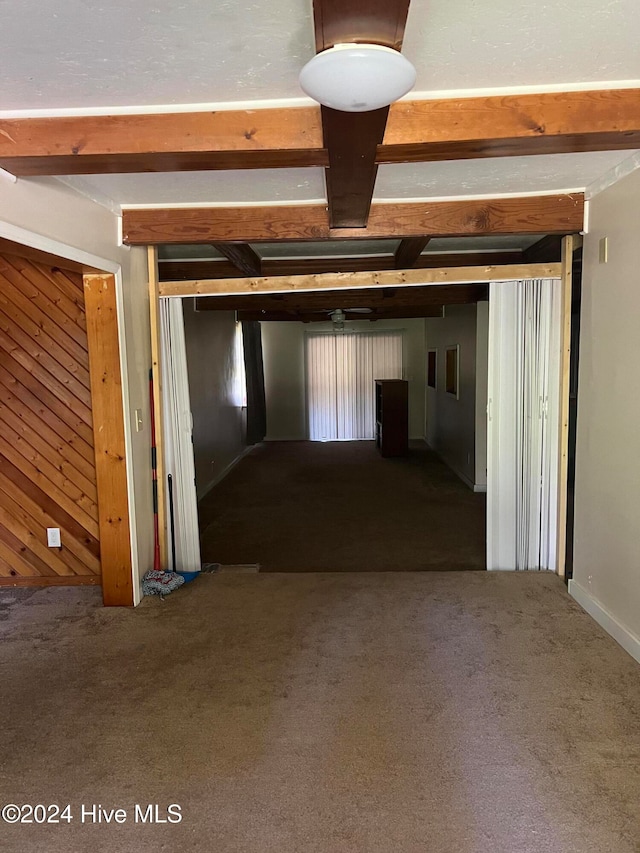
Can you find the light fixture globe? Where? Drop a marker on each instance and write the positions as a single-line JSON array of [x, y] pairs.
[[357, 77]]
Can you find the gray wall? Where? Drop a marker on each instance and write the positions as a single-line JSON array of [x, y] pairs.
[[607, 491], [284, 374], [218, 423], [454, 425]]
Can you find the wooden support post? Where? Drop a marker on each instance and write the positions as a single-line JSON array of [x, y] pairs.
[[156, 372], [109, 438], [565, 358]]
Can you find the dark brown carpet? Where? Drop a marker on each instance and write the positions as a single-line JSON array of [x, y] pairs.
[[341, 507], [435, 712]]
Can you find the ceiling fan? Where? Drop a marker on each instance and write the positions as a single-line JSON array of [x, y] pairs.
[[339, 315]]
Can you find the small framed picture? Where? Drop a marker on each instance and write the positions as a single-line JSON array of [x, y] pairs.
[[452, 371], [432, 368]]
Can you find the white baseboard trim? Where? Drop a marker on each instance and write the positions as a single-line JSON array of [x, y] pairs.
[[225, 471], [622, 635], [466, 480]]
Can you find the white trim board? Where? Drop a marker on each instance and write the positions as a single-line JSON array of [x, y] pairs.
[[622, 635]]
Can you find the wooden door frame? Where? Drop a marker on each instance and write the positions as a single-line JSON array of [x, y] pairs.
[[396, 278], [102, 284]]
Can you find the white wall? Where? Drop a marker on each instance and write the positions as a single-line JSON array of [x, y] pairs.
[[284, 373], [607, 490], [47, 215], [218, 420], [452, 424]]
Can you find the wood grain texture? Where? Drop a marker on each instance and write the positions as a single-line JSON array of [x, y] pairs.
[[109, 438], [563, 426], [546, 214], [515, 125], [242, 256], [352, 141], [190, 270], [220, 224], [233, 139], [355, 280], [559, 214], [402, 298], [416, 131], [409, 251], [376, 21], [47, 463]]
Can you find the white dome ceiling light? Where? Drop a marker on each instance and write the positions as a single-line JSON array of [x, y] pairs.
[[355, 78]]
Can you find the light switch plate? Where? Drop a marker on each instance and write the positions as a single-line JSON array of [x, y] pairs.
[[53, 537], [138, 419]]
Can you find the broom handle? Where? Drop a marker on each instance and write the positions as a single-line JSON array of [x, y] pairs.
[[172, 523]]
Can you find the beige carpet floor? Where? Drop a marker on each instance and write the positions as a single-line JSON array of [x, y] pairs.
[[344, 508], [451, 712]]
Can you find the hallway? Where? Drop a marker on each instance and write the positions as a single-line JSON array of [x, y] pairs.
[[469, 712], [339, 506]]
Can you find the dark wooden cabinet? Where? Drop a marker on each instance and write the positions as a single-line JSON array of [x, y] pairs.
[[392, 416]]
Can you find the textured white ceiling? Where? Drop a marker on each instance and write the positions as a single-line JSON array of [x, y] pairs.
[[95, 54], [353, 248], [231, 187], [499, 175], [457, 178], [110, 53]]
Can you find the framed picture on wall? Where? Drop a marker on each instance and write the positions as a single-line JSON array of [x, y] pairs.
[[452, 371], [432, 368]]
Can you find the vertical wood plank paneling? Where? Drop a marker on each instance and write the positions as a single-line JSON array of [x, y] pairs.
[[47, 462], [109, 438]]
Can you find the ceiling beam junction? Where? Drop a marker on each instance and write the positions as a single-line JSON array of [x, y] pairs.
[[291, 137]]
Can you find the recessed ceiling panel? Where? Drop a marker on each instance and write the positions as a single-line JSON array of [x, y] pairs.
[[494, 176], [457, 44], [327, 248], [92, 53], [232, 187]]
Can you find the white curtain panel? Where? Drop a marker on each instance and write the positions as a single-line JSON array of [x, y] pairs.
[[341, 369], [178, 437], [523, 424]]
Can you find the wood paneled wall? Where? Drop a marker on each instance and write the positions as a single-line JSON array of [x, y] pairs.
[[47, 462]]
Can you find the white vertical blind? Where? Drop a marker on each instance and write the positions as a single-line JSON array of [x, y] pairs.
[[178, 429], [341, 369], [523, 424]]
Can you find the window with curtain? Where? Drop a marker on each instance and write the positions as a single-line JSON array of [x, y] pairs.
[[340, 372]]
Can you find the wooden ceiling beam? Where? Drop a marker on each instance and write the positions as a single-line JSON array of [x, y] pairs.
[[551, 214], [515, 125], [189, 270], [546, 250], [233, 139], [311, 317], [352, 139], [328, 300], [242, 256], [409, 251], [288, 137], [357, 280]]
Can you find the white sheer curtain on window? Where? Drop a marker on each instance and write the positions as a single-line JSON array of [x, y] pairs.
[[178, 429], [523, 423], [341, 369]]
